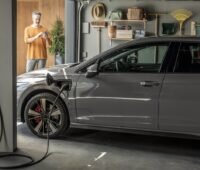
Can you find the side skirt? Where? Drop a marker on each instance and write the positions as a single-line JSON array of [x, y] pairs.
[[136, 131]]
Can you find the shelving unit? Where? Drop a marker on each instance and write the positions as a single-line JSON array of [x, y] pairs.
[[129, 21], [126, 22]]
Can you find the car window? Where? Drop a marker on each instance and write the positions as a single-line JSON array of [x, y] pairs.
[[188, 59], [141, 59]]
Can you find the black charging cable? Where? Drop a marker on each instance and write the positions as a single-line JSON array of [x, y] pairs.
[[31, 160]]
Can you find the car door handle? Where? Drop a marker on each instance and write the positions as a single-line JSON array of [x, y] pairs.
[[149, 83]]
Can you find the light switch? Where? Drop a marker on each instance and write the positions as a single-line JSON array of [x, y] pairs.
[[85, 27]]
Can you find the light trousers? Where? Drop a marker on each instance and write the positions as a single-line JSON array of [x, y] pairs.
[[31, 64]]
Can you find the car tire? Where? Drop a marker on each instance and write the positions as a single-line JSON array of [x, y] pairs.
[[36, 116]]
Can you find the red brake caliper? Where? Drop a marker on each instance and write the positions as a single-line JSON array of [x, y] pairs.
[[38, 109]]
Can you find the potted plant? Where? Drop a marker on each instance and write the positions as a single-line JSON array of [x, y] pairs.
[[57, 47]]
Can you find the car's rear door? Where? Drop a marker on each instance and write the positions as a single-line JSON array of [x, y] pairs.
[[180, 96], [126, 91]]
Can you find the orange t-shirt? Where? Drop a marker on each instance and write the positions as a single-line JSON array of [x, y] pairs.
[[37, 49]]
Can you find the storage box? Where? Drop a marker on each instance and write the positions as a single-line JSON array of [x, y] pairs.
[[124, 34], [135, 13]]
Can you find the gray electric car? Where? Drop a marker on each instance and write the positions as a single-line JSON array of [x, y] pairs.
[[147, 85]]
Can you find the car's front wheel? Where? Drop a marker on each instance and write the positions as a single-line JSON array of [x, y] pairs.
[[37, 115]]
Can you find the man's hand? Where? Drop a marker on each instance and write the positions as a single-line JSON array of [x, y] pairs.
[[39, 35], [45, 35]]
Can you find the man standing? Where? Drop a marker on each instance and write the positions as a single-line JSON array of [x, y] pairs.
[[36, 38]]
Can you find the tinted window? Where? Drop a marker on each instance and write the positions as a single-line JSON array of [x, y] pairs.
[[188, 59], [141, 59]]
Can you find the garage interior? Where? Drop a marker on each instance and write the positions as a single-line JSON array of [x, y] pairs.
[[86, 149], [162, 9]]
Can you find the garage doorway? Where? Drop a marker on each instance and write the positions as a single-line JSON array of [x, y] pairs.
[[50, 9]]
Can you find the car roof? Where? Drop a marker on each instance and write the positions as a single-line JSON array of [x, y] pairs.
[[162, 39], [167, 39]]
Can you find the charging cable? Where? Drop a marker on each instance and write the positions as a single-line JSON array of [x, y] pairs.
[[31, 160]]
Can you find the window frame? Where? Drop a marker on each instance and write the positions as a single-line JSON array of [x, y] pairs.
[[177, 57], [162, 65], [138, 49]]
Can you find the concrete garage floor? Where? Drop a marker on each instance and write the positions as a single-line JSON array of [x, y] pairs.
[[97, 150]]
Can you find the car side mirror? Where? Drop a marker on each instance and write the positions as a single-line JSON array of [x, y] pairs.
[[92, 70]]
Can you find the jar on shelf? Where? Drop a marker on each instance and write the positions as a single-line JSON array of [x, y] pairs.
[[112, 31]]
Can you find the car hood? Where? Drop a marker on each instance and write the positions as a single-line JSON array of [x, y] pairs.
[[40, 75]]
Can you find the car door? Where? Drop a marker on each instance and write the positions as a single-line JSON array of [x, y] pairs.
[[126, 90], [180, 96]]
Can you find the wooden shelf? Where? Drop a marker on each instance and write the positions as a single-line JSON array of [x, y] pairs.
[[138, 21], [122, 39]]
